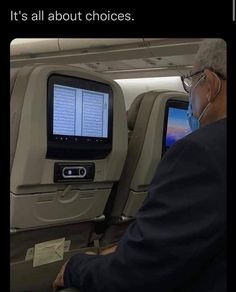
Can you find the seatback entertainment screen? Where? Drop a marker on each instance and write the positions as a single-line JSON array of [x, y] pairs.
[[80, 112], [176, 123], [79, 118]]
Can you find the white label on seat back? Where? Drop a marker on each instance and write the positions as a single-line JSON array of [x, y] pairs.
[[48, 252], [30, 251]]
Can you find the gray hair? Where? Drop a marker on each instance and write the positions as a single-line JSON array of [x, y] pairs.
[[212, 54]]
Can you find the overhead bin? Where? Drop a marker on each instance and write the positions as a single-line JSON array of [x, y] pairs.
[[85, 43], [49, 45], [33, 46]]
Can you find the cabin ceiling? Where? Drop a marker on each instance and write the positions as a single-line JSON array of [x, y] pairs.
[[117, 58]]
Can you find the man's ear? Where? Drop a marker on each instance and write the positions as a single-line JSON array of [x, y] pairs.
[[213, 85]]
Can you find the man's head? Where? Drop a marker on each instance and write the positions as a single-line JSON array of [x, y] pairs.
[[207, 83]]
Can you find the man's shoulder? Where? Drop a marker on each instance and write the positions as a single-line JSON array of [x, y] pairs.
[[210, 135], [210, 139]]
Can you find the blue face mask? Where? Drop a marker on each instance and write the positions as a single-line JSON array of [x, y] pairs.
[[194, 123]]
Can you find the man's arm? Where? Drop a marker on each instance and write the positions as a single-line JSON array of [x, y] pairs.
[[178, 230]]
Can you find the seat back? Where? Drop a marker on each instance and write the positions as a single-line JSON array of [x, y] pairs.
[[36, 199], [45, 205], [147, 122]]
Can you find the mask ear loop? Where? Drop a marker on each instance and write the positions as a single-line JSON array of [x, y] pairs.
[[203, 112], [220, 85], [209, 102], [205, 109]]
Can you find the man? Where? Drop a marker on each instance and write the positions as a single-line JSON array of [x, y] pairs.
[[178, 241]]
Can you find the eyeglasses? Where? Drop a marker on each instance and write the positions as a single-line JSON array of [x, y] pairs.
[[187, 80]]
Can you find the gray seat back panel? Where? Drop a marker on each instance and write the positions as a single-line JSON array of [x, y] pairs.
[[18, 88], [134, 151]]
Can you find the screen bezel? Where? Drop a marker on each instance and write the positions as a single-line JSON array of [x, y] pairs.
[[178, 104], [77, 147]]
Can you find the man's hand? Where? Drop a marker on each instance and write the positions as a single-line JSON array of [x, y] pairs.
[[59, 281]]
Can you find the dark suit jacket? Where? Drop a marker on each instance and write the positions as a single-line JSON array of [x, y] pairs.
[[178, 241]]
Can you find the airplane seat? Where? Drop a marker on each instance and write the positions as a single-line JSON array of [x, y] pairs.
[[132, 113], [146, 123], [63, 167], [18, 84], [13, 75]]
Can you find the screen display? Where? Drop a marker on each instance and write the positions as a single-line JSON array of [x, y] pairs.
[[79, 118], [80, 112], [177, 125]]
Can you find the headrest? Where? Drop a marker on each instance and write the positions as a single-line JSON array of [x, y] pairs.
[[133, 111]]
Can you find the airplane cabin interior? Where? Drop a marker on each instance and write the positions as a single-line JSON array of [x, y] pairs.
[[90, 120]]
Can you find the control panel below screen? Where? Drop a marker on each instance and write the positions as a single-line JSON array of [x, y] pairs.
[[74, 172]]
